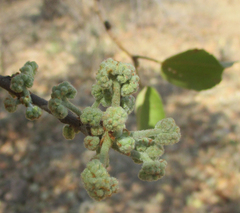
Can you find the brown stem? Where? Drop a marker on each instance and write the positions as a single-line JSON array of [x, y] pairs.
[[147, 58], [108, 27], [43, 104]]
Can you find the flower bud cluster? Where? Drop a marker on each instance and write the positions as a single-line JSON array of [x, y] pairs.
[[169, 132], [116, 81], [60, 94], [10, 104], [150, 147], [97, 181], [64, 90], [109, 72], [91, 142], [114, 119], [125, 143], [91, 116], [19, 84], [57, 108], [152, 170], [33, 112], [25, 78]]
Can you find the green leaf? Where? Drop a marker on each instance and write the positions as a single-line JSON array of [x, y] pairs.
[[194, 69], [149, 108], [226, 64]]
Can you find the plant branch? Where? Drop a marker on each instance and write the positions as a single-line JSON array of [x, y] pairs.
[[147, 58], [108, 27], [43, 104]]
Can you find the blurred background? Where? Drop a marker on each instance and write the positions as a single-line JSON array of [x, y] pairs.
[[40, 170]]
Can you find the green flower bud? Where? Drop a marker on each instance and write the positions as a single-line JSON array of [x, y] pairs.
[[91, 116], [28, 80], [170, 132], [97, 130], [26, 100], [25, 79], [106, 68], [97, 181], [130, 86], [64, 89], [125, 72], [114, 119], [166, 124], [57, 109], [127, 103], [10, 104], [97, 92], [155, 151], [125, 143], [142, 144], [33, 112], [31, 71], [68, 132], [17, 84], [153, 170], [91, 142]]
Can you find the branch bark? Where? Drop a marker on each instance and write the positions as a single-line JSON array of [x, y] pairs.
[[71, 119]]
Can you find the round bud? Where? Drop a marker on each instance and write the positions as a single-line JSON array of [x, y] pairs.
[[97, 130], [26, 100], [130, 86], [57, 109], [91, 116], [125, 144], [97, 92], [107, 67], [125, 72], [17, 84], [28, 80], [155, 151], [91, 142], [33, 112], [97, 181], [114, 119], [68, 132], [153, 170], [166, 124], [64, 89], [26, 68], [142, 144], [10, 104]]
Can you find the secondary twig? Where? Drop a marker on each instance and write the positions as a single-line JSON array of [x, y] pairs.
[[108, 27], [43, 104], [147, 58]]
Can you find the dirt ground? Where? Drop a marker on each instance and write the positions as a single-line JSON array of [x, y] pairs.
[[40, 170]]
